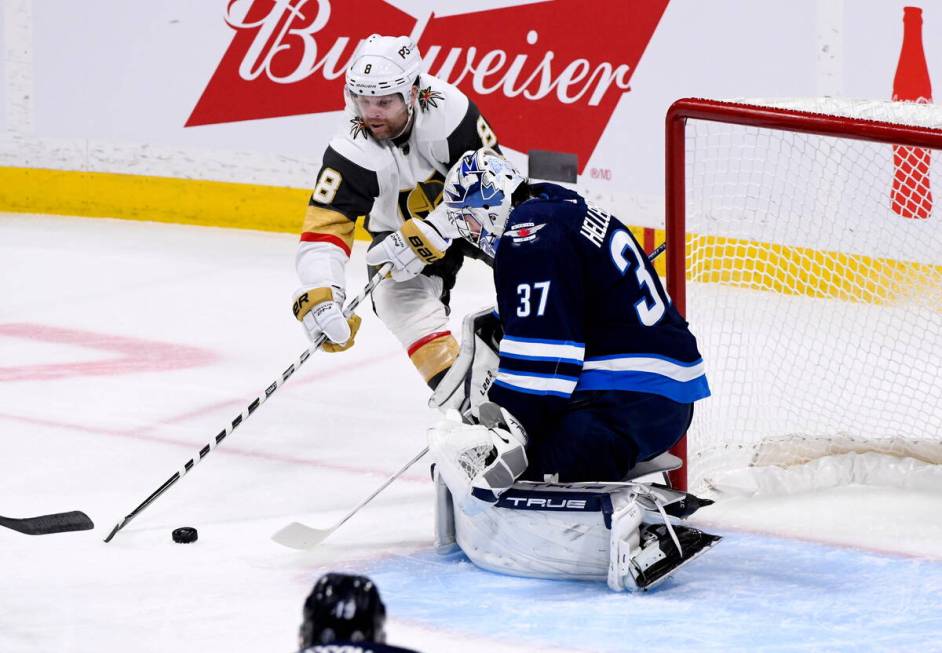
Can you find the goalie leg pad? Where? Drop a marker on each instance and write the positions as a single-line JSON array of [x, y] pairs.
[[464, 387], [539, 535], [624, 540], [445, 541]]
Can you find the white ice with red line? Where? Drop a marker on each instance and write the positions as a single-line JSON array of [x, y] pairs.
[[125, 347]]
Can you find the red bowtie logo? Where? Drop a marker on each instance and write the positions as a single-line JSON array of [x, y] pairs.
[[547, 75]]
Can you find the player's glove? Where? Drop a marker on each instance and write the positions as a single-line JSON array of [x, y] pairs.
[[319, 310], [413, 246]]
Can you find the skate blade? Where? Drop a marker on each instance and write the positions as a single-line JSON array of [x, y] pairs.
[[691, 553]]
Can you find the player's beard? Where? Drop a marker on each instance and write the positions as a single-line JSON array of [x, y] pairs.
[[389, 128]]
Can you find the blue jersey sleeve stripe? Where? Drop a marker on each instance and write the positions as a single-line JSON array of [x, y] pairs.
[[545, 341], [680, 391], [538, 383], [549, 393], [647, 364], [509, 346], [668, 359], [552, 367], [547, 359], [538, 375]]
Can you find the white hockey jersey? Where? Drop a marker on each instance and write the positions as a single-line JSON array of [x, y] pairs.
[[390, 181]]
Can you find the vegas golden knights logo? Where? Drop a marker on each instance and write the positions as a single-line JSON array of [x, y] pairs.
[[418, 202]]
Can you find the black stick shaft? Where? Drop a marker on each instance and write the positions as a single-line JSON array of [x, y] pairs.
[[248, 410], [657, 251]]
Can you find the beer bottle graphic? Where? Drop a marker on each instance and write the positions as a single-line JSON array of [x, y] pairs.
[[911, 194]]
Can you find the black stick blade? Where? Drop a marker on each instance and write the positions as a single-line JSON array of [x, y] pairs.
[[114, 531], [60, 522]]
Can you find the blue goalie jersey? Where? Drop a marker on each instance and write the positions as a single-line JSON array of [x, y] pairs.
[[583, 311]]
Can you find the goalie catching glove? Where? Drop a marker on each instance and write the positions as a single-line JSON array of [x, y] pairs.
[[507, 461], [319, 310], [479, 462], [413, 246]]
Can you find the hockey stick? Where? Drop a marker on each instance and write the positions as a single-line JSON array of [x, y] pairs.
[[298, 536], [251, 408], [59, 522], [657, 251]]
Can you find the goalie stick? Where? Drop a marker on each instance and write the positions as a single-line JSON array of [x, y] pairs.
[[300, 536], [59, 522], [251, 408]]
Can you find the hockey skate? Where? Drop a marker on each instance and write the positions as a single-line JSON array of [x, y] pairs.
[[656, 555]]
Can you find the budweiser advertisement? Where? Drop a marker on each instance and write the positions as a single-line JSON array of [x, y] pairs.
[[548, 75]]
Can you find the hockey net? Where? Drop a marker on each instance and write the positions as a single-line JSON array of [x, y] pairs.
[[805, 249]]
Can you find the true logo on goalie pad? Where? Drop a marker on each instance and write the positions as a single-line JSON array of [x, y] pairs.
[[517, 499], [548, 504]]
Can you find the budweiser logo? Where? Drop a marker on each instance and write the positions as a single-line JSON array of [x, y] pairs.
[[549, 87]]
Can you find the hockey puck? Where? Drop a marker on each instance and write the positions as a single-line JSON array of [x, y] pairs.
[[184, 535]]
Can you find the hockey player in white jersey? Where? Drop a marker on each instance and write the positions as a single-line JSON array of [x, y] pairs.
[[405, 129], [594, 379]]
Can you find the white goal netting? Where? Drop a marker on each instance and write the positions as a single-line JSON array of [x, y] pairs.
[[814, 286]]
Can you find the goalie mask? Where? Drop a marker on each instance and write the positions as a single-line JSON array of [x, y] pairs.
[[383, 65], [478, 197], [344, 608]]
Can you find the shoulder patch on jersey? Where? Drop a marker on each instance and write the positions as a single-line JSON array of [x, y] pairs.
[[358, 128], [524, 232], [429, 98]]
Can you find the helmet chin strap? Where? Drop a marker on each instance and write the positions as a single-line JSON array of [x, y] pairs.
[[410, 110]]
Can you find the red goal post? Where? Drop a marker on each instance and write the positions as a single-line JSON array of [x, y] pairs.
[[731, 177]]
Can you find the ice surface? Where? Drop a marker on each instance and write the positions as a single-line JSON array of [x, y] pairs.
[[125, 347]]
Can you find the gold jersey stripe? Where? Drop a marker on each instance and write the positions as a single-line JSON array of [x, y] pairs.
[[328, 222]]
